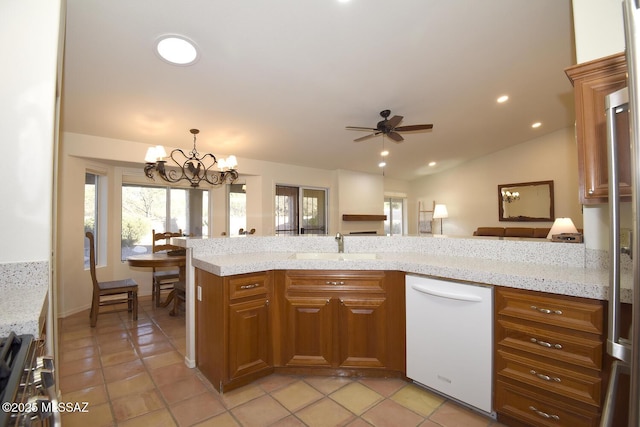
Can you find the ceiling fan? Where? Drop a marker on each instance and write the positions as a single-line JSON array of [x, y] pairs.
[[389, 127]]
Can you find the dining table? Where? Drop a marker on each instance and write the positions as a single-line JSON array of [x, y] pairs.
[[160, 260]]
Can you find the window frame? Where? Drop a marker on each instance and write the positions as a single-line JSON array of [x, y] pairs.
[[100, 217], [167, 208], [390, 217], [300, 209]]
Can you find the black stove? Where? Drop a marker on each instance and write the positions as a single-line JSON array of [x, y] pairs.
[[27, 384]]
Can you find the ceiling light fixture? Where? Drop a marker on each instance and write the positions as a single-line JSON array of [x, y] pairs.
[[536, 125], [176, 50], [503, 98], [192, 167], [431, 164]]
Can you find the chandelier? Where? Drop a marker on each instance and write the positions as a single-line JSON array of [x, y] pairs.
[[510, 196], [190, 167]]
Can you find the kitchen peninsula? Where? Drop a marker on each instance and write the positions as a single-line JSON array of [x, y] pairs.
[[558, 268], [258, 305]]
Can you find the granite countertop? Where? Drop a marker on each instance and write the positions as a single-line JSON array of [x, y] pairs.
[[558, 279], [22, 310], [24, 303]]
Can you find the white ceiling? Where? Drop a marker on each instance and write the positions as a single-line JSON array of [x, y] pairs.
[[279, 80]]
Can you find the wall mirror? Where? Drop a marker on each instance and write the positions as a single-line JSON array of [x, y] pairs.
[[526, 201]]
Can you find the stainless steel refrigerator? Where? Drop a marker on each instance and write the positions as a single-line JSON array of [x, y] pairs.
[[625, 104]]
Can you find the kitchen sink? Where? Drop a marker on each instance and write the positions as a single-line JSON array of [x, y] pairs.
[[332, 256]]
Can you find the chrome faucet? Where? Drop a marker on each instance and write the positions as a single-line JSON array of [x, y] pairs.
[[340, 240]]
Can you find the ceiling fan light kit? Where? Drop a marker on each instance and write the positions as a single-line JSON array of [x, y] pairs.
[[190, 166]]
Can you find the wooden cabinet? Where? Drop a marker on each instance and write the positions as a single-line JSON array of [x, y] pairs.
[[592, 81], [549, 359], [233, 328], [341, 320]]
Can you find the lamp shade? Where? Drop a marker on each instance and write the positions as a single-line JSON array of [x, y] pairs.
[[562, 225], [440, 211]]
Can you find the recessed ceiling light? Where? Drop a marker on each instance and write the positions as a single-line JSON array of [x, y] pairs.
[[536, 125], [384, 153], [432, 163], [176, 50], [503, 98], [382, 164]]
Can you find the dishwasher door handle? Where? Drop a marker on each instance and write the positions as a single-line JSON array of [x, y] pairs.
[[443, 294]]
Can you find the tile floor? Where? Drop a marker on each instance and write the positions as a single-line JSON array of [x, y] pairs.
[[133, 374]]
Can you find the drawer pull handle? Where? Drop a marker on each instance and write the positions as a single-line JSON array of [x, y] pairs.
[[545, 377], [546, 344], [251, 286], [544, 414], [339, 283], [546, 310]]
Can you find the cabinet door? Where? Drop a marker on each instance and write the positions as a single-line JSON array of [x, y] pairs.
[[592, 82], [249, 337], [363, 337], [308, 337]]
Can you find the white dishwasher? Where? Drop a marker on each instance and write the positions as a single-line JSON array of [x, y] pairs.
[[450, 339]]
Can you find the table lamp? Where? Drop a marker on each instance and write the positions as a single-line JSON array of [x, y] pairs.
[[439, 212]]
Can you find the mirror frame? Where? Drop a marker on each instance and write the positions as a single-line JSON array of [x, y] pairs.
[[551, 216]]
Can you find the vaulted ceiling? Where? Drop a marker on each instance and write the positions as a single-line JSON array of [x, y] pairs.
[[280, 80]]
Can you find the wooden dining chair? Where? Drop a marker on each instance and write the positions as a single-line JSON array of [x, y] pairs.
[[110, 293], [164, 280]]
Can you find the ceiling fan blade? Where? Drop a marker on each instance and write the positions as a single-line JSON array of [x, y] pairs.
[[361, 128], [362, 138], [413, 127], [394, 121], [396, 137]]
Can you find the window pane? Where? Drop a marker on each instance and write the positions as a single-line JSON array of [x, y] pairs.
[[396, 216], [387, 222], [90, 212], [286, 210], [313, 211], [393, 209], [143, 209], [237, 209], [178, 207]]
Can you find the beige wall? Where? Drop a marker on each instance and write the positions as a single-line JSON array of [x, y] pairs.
[[470, 191]]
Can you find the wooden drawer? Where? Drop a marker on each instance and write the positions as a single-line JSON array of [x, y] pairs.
[[555, 346], [567, 312], [536, 410], [248, 285], [339, 281], [548, 378]]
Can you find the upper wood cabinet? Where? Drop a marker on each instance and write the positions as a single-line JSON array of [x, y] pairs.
[[592, 82]]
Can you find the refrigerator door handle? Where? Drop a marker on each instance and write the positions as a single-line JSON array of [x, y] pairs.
[[615, 103]]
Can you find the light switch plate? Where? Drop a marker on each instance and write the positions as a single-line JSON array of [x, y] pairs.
[[199, 293]]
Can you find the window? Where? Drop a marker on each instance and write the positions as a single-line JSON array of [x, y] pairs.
[[394, 210], [300, 210], [147, 208], [237, 209], [92, 185]]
